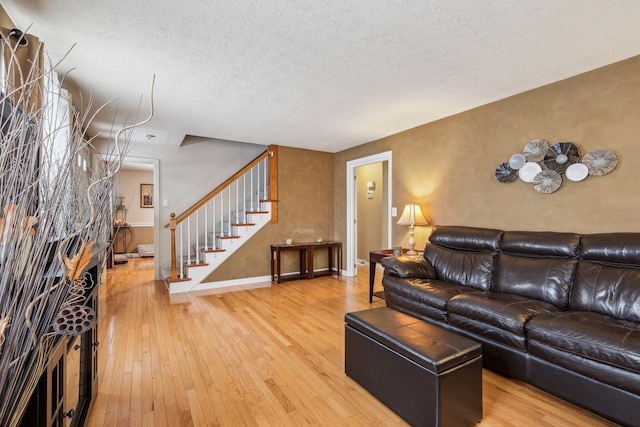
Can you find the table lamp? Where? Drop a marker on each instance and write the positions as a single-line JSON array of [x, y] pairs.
[[412, 216]]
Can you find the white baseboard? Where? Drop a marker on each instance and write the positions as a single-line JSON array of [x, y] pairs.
[[245, 282]]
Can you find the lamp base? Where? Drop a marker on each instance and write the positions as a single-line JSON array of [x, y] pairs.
[[411, 242]]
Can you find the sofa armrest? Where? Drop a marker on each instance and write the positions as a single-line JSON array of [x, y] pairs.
[[409, 266]]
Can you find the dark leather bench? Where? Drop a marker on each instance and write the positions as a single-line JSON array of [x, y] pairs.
[[427, 375]]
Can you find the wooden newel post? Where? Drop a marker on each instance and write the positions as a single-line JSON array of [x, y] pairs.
[[172, 227]]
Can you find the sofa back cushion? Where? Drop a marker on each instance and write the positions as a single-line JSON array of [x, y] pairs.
[[538, 265], [608, 276], [605, 289], [473, 269], [464, 255], [612, 248], [541, 243], [466, 238], [544, 279]]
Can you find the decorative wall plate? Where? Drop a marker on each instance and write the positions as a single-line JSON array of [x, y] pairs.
[[535, 150], [577, 172], [600, 162], [529, 171], [517, 161], [505, 174], [547, 181], [543, 165], [560, 156]]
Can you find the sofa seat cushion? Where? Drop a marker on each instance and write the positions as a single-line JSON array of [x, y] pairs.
[[500, 317], [504, 311], [590, 335], [433, 294]]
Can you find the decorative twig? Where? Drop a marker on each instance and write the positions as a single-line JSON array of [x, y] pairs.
[[49, 208]]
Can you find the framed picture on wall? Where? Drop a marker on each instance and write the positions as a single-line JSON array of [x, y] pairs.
[[146, 195]]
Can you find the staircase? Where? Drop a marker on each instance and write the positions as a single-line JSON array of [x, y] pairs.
[[210, 231]]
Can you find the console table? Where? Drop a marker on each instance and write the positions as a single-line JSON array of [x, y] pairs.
[[306, 251]]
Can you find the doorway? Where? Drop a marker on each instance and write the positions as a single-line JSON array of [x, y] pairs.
[[382, 191], [371, 210], [144, 220]]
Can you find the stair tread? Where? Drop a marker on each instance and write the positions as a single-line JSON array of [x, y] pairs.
[[228, 237], [257, 212], [196, 264], [242, 224], [212, 250], [179, 279]]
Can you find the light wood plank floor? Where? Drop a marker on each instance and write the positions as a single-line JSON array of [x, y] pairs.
[[261, 356]]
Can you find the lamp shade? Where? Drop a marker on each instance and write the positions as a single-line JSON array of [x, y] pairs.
[[412, 215]]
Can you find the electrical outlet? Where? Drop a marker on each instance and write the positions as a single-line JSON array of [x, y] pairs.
[[394, 211]]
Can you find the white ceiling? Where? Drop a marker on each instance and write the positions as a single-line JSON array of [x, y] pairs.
[[324, 75]]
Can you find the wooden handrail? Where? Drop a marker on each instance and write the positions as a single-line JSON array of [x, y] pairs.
[[271, 151]]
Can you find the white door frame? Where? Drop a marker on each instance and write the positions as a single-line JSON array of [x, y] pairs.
[[350, 247]]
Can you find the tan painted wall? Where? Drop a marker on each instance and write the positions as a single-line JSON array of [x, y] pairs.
[[448, 166], [305, 212], [5, 21], [141, 236]]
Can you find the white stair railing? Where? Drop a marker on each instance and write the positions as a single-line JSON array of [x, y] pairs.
[[214, 218]]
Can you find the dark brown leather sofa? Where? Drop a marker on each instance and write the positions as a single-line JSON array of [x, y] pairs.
[[558, 310]]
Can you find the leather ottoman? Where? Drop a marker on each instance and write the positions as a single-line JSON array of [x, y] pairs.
[[427, 375]]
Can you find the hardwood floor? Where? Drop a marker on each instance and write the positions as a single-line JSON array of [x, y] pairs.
[[261, 356]]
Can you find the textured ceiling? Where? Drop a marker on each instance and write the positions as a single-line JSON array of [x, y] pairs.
[[323, 75]]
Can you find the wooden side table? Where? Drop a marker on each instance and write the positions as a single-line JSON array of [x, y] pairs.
[[375, 257], [306, 252], [303, 252], [334, 251]]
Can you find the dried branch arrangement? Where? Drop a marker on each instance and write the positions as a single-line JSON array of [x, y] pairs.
[[53, 210]]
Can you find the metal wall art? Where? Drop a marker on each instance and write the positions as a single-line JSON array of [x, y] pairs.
[[543, 166]]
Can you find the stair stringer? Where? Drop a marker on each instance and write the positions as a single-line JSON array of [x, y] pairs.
[[197, 275]]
